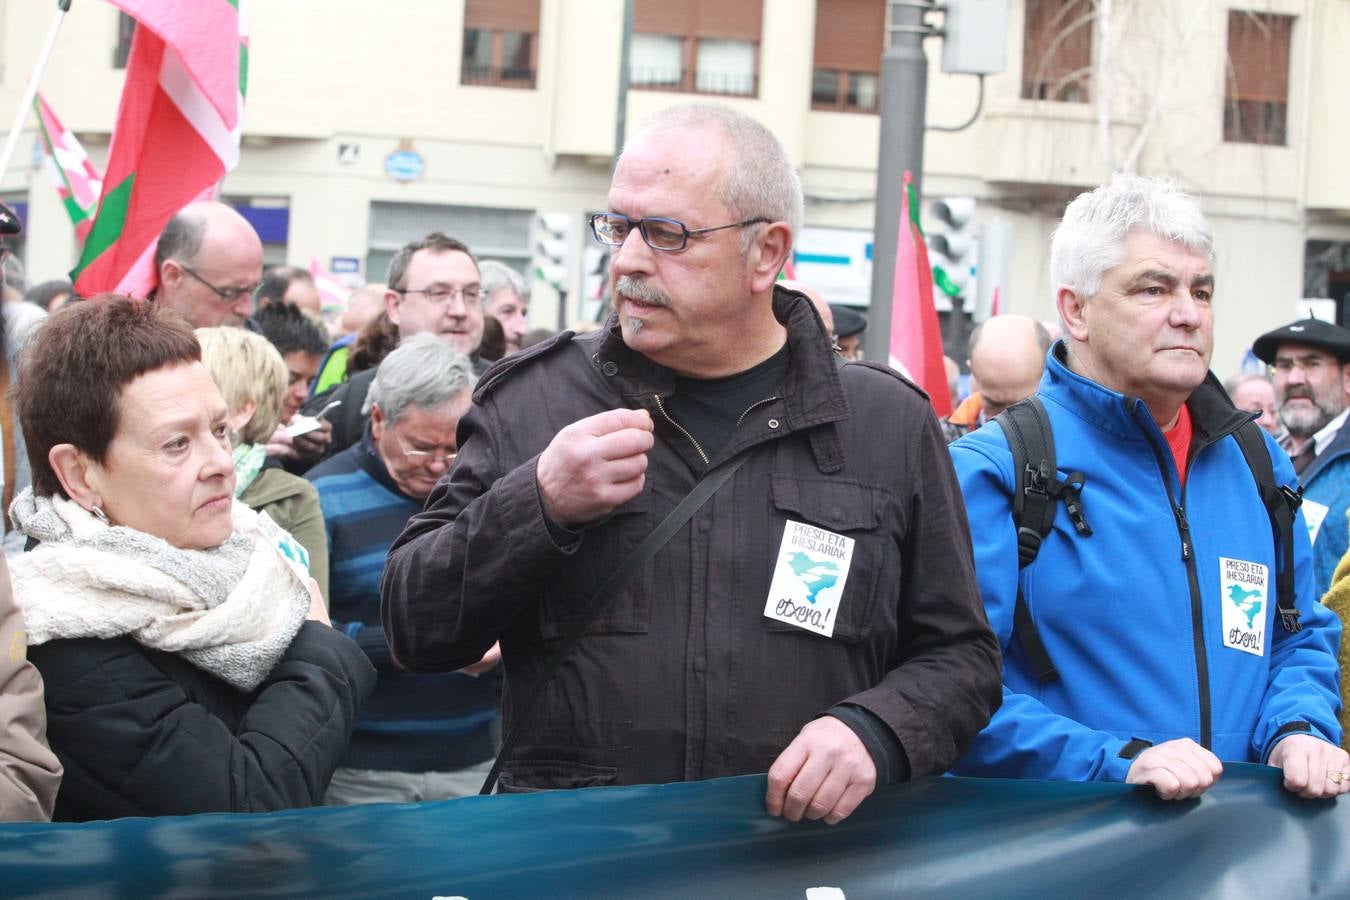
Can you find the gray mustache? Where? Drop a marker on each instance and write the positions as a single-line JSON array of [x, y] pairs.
[[639, 289]]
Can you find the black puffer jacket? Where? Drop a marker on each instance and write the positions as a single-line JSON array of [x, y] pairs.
[[142, 732]]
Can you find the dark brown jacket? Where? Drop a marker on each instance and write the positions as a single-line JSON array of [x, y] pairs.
[[683, 677]]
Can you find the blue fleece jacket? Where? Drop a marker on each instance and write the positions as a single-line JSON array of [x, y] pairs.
[[1326, 493], [1148, 644]]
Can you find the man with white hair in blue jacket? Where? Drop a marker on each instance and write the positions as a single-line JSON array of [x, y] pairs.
[[1154, 593]]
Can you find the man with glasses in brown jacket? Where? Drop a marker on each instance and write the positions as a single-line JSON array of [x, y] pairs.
[[818, 617]]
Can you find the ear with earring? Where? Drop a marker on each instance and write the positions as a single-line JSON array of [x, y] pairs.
[[97, 512]]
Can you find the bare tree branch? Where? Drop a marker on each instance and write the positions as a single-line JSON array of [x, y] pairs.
[[1102, 85], [1164, 91]]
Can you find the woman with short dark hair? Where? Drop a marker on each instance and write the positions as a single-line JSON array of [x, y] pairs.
[[188, 663]]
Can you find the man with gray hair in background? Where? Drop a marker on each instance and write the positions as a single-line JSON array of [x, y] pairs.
[[419, 737], [1148, 647], [506, 297], [816, 617]]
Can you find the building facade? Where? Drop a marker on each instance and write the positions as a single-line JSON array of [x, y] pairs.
[[369, 124]]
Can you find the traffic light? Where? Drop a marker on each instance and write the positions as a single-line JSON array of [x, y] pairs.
[[953, 248], [594, 270], [549, 264]]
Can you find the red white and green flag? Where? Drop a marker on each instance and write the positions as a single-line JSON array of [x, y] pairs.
[[916, 338], [74, 176], [177, 133]]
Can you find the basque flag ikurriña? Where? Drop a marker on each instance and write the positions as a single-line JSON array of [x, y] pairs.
[[916, 337], [76, 180], [177, 133]]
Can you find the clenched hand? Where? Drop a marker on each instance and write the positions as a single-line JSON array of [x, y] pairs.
[[823, 774], [594, 465], [1312, 767], [1176, 769]]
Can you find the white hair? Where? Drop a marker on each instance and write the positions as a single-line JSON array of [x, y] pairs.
[[493, 276], [1091, 237], [422, 371], [760, 180]]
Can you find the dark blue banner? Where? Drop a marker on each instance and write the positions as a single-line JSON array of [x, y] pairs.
[[945, 838]]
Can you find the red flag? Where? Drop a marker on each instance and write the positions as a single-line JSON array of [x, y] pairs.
[[73, 175], [916, 339], [993, 311], [176, 136]]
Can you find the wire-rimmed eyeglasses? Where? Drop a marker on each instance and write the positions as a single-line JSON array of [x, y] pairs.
[[229, 294], [425, 457]]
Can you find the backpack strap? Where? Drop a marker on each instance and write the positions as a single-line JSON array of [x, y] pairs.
[[1036, 493], [1282, 505]]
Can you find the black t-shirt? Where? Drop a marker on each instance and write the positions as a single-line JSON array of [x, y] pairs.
[[709, 408]]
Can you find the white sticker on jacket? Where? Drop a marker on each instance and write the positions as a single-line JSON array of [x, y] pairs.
[[808, 580], [1313, 513], [288, 548], [1243, 587]]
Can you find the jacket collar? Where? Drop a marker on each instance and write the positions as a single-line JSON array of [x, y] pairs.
[[1212, 413], [812, 392], [368, 458], [1339, 446]]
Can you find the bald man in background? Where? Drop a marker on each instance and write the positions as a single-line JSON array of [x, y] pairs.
[[1007, 358], [209, 263]]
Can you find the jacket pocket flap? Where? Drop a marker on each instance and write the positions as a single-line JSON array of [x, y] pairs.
[[831, 503], [524, 775]]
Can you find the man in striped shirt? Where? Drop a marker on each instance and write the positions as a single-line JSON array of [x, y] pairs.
[[420, 737]]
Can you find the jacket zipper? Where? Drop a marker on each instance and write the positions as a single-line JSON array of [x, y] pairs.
[[1193, 579], [750, 407], [704, 456], [661, 406]]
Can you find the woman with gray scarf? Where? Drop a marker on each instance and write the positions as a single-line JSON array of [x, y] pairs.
[[188, 662]]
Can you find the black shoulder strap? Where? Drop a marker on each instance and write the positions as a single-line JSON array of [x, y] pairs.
[[1036, 493], [660, 536], [1282, 505]]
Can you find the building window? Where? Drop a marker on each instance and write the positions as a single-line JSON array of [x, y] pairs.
[[501, 43], [847, 63], [701, 46], [1057, 51], [1256, 86], [126, 27]]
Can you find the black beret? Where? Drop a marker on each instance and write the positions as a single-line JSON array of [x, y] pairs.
[[847, 320], [1314, 332]]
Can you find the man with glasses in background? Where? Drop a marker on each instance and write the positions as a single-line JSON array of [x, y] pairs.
[[818, 617], [1312, 388], [419, 737], [209, 262], [433, 288]]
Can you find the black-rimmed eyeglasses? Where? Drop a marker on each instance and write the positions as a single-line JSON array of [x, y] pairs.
[[229, 294], [663, 234]]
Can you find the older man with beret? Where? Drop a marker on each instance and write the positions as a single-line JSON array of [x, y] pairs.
[[1312, 388]]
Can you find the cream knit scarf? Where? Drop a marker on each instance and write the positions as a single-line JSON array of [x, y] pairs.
[[231, 611]]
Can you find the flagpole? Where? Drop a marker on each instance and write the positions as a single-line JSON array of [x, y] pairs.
[[26, 105]]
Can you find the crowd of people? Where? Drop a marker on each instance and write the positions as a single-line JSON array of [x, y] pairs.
[[261, 561]]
